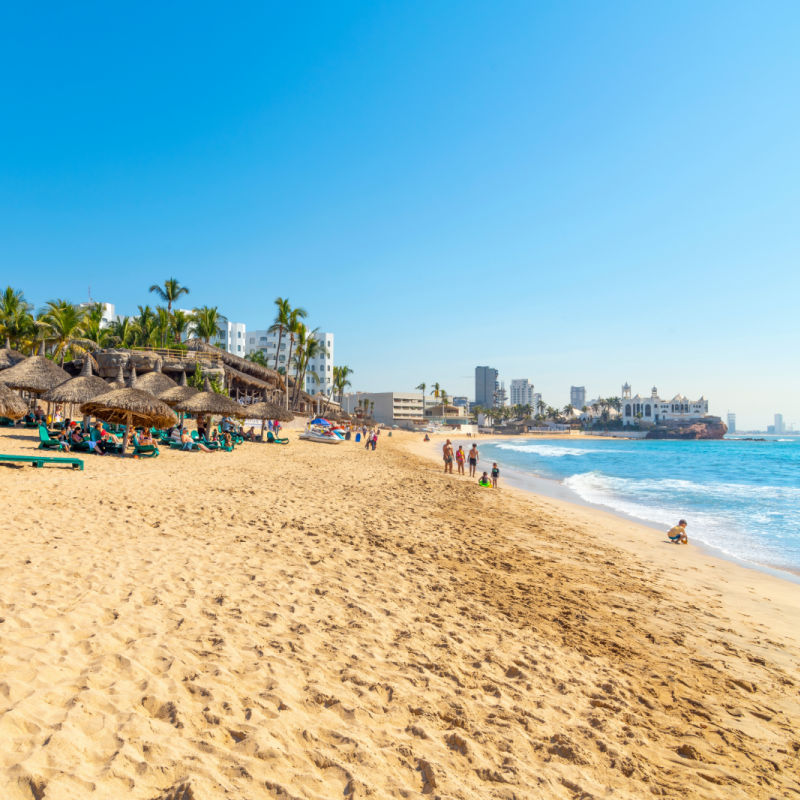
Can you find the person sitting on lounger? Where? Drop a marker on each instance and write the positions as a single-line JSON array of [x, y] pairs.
[[95, 440], [188, 444], [145, 437]]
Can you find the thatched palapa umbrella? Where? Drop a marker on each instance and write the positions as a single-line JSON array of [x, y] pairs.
[[208, 402], [266, 410], [11, 404], [79, 390], [35, 374], [156, 382], [10, 357], [130, 406], [178, 394]]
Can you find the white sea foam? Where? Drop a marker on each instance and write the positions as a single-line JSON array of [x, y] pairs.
[[554, 451], [646, 487], [664, 501]]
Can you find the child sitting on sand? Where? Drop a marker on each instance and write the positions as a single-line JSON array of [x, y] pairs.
[[677, 535], [484, 480]]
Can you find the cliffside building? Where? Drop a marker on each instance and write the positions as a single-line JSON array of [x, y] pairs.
[[654, 409]]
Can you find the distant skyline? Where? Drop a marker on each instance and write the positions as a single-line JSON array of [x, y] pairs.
[[576, 194]]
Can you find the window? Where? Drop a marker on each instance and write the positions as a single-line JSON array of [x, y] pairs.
[[252, 340], [238, 334]]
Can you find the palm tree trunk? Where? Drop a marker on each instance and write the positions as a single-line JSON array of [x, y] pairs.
[[288, 364], [277, 352]]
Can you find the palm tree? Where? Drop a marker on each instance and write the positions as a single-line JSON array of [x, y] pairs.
[[568, 409], [144, 326], [541, 407], [282, 321], [163, 324], [293, 328], [422, 387], [308, 348], [16, 320], [122, 331], [340, 381], [206, 321], [169, 292], [257, 357], [95, 332], [64, 324], [180, 324]]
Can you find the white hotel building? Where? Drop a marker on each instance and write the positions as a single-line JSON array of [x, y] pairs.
[[319, 376], [653, 409], [521, 392]]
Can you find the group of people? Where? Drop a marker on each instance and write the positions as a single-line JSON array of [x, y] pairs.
[[458, 456], [370, 437], [97, 438]]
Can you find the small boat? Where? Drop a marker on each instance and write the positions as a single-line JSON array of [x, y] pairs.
[[322, 433]]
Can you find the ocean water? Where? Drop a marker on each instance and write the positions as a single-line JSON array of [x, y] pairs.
[[740, 498]]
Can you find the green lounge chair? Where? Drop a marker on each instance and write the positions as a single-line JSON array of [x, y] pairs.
[[272, 440], [40, 461], [46, 443], [193, 448], [144, 450]]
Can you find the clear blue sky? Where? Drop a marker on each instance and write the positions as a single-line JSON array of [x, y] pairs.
[[575, 193]]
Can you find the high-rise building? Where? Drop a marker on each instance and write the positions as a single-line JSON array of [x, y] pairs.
[[577, 397], [779, 428], [731, 422], [536, 401], [486, 386], [319, 375], [521, 392]]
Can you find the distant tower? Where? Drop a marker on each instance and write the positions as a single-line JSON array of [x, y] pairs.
[[626, 391], [653, 393]]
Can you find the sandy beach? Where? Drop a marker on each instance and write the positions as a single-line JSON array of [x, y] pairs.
[[308, 621]]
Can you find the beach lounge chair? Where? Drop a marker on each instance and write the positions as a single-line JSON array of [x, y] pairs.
[[272, 440], [144, 450], [206, 442], [40, 461], [46, 443]]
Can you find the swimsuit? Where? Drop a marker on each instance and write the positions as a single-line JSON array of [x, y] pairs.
[[473, 461]]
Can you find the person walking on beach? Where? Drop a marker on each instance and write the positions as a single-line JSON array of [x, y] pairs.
[[447, 452], [677, 535], [495, 475], [473, 461], [461, 457], [375, 439]]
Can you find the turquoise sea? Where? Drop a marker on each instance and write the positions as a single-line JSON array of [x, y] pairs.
[[741, 498]]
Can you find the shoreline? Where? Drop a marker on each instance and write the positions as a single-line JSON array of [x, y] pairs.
[[540, 486], [640, 531]]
